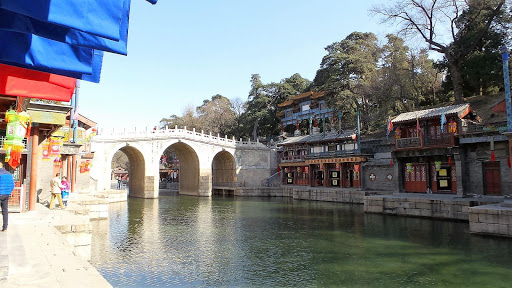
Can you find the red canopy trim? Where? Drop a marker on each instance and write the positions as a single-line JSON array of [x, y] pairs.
[[21, 82]]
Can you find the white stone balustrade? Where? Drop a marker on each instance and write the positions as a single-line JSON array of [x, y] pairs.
[[147, 132]]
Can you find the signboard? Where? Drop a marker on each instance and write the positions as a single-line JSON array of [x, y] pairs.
[[336, 160]]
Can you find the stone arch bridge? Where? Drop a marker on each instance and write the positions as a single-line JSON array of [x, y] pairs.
[[206, 161]]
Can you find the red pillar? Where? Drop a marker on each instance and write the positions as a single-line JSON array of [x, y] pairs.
[[69, 164], [73, 173], [33, 168]]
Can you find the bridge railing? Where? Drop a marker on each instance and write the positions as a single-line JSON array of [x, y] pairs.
[[138, 133]]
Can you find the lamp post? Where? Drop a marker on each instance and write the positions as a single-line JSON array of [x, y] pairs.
[[504, 57], [506, 78]]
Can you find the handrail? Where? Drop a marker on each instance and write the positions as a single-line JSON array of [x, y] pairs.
[[270, 181], [146, 133]]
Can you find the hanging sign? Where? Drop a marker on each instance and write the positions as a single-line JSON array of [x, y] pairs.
[[45, 151]]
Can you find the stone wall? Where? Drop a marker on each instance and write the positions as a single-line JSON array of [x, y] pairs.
[[476, 154], [253, 166], [375, 176], [307, 193], [491, 219], [425, 206]]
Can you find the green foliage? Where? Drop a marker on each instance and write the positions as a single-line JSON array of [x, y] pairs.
[[263, 100], [453, 28]]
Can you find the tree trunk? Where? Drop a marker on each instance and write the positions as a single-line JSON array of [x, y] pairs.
[[455, 73], [255, 129]]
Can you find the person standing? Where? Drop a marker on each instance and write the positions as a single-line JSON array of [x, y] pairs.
[[65, 191], [56, 187], [6, 187]]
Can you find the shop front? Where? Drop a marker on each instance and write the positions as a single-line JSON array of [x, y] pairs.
[[295, 174], [343, 172], [429, 175]]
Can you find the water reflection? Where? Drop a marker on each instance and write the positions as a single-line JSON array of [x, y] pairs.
[[279, 242]]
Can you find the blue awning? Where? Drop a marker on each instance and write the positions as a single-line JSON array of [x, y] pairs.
[[12, 21], [65, 37], [97, 17]]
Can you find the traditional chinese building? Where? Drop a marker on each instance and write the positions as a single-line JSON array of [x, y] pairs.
[[427, 149], [325, 156]]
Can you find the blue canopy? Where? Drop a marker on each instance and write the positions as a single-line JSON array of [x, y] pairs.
[[65, 37], [97, 17], [12, 21]]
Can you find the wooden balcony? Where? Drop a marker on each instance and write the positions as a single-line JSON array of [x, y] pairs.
[[430, 141], [293, 158]]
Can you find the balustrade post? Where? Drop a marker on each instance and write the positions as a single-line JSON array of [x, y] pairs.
[[176, 127], [218, 137], [210, 137]]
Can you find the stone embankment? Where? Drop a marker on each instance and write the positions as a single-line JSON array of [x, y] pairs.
[[485, 214], [51, 248]]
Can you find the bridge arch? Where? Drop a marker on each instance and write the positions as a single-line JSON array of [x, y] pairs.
[[189, 167], [223, 169], [137, 172]]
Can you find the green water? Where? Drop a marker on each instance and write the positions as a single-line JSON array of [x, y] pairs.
[[182, 241]]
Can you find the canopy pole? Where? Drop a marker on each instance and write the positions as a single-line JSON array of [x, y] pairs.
[[33, 168]]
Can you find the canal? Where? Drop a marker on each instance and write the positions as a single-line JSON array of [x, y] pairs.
[[184, 241]]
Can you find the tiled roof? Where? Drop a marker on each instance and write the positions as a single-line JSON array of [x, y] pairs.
[[294, 99], [285, 103], [460, 110], [319, 137]]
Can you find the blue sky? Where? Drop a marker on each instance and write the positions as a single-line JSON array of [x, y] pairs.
[[182, 52]]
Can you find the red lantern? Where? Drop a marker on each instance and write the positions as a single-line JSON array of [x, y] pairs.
[[356, 168], [493, 157]]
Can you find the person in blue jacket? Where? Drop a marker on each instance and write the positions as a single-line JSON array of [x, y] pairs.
[[6, 187]]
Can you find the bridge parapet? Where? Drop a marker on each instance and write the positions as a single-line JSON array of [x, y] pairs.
[[146, 132]]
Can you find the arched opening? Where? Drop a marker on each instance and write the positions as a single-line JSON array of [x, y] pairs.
[[224, 179], [131, 168], [184, 166]]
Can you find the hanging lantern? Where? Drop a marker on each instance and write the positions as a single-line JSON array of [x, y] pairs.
[[391, 162], [449, 161], [306, 169], [438, 165], [409, 167], [337, 166], [493, 157], [356, 168], [321, 166], [16, 131]]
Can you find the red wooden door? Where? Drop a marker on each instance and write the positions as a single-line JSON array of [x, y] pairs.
[[415, 180], [492, 179]]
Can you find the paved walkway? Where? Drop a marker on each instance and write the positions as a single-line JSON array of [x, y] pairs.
[[39, 256]]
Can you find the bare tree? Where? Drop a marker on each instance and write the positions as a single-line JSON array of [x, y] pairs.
[[450, 27]]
